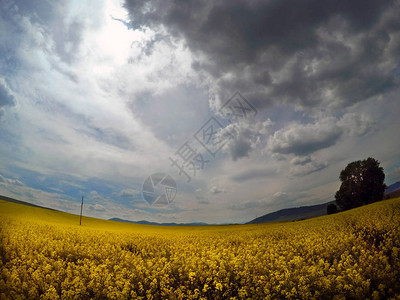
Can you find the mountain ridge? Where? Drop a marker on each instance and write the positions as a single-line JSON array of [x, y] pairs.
[[5, 198], [144, 222], [283, 215], [293, 214], [393, 188]]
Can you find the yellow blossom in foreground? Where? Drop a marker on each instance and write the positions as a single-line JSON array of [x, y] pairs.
[[351, 255]]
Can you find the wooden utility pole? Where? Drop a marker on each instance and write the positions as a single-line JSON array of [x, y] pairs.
[[80, 219]]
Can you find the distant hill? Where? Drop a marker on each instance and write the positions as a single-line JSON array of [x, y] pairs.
[[289, 214], [392, 188], [8, 199], [305, 212], [160, 224], [23, 202], [293, 214], [283, 215]]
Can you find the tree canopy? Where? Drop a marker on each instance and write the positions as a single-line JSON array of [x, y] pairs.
[[331, 209], [362, 183]]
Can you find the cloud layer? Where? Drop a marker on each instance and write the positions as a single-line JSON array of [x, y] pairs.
[[309, 53], [6, 97]]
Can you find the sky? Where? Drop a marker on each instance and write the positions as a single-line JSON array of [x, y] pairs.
[[247, 106]]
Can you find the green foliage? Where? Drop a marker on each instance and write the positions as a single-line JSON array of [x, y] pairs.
[[331, 209], [362, 183]]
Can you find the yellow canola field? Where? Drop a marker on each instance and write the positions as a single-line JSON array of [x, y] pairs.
[[351, 255]]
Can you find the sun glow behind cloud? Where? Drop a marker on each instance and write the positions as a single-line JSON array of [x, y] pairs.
[[113, 41]]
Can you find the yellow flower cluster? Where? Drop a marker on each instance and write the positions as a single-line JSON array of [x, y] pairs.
[[350, 255]]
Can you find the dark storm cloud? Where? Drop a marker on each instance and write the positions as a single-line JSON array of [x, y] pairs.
[[303, 139], [240, 148], [242, 143], [246, 137], [303, 52]]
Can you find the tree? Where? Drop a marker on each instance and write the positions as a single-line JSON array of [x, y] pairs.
[[362, 183], [331, 209]]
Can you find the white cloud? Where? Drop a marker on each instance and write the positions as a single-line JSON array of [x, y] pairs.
[[128, 193], [97, 207], [7, 98], [216, 190], [303, 139], [356, 124], [74, 114], [10, 181], [280, 196], [300, 160], [250, 174], [307, 168]]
